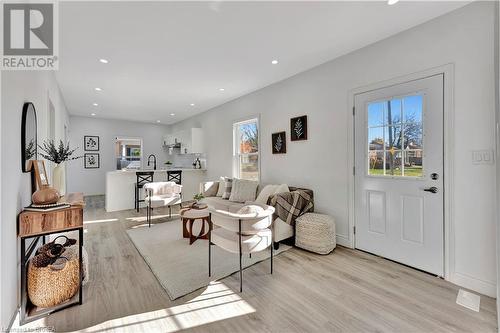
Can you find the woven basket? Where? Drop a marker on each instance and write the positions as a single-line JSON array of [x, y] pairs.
[[49, 287]]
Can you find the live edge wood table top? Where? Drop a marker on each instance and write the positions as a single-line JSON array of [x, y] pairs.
[[34, 223]]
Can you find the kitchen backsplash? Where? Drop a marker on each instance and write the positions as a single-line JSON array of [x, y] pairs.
[[187, 160]]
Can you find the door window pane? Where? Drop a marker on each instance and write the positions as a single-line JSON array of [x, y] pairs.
[[395, 137], [376, 138]]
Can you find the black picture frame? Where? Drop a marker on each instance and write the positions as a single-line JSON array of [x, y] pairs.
[[91, 161], [298, 128], [278, 141], [91, 143]]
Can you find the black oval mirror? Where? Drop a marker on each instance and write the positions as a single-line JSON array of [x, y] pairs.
[[29, 145]]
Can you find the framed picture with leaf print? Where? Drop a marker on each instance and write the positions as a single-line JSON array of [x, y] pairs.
[[298, 128], [279, 142]]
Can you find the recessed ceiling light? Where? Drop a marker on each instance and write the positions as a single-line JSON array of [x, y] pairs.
[[95, 104], [392, 2], [104, 61], [158, 121], [274, 62], [172, 114], [97, 89], [92, 114], [221, 89], [192, 104]]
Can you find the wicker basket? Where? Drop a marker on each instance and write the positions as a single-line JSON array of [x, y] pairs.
[[48, 286]]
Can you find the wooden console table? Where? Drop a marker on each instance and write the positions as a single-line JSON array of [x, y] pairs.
[[35, 226]]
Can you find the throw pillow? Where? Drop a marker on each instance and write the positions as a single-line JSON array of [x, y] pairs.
[[209, 189], [282, 189], [228, 184], [265, 193], [243, 190], [220, 190]]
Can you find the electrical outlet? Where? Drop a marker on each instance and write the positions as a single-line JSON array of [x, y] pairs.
[[485, 156]]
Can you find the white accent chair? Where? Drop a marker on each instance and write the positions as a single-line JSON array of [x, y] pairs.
[[241, 233], [161, 194]]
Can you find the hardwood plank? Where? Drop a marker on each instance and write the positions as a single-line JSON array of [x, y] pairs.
[[346, 291]]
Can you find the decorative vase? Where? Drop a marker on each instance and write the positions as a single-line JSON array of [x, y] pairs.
[[59, 178]]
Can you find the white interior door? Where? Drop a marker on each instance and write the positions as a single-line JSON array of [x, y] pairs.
[[399, 173]]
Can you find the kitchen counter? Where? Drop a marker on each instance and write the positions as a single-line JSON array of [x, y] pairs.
[[120, 186]]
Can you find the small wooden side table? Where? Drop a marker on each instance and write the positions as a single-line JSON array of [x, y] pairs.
[[189, 215], [35, 226]]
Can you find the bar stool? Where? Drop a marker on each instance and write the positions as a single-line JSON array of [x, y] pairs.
[[175, 176], [143, 177]]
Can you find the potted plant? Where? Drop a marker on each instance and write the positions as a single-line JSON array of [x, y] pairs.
[[58, 155], [197, 197], [168, 164]]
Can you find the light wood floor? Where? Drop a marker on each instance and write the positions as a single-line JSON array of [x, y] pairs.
[[346, 291]]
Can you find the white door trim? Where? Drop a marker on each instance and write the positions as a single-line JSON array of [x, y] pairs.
[[448, 72]]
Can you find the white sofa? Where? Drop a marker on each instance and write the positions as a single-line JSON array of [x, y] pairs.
[[281, 229]]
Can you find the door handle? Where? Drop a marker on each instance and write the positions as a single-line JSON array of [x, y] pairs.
[[432, 189]]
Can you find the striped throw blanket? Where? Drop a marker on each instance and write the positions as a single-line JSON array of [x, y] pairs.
[[290, 205]]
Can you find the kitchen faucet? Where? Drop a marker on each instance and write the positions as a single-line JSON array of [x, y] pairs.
[[154, 160]]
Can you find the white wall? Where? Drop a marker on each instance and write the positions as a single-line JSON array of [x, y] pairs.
[[19, 87], [464, 38], [93, 181], [497, 122]]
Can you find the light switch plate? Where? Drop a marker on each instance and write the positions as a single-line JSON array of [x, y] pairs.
[[485, 156], [468, 300]]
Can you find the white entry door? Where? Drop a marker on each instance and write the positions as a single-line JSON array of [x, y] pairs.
[[399, 173]]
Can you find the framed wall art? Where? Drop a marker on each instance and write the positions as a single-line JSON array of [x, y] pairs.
[[91, 161], [279, 142], [298, 128], [91, 143]]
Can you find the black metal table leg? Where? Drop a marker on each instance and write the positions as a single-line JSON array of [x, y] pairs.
[[210, 244], [241, 270], [80, 260]]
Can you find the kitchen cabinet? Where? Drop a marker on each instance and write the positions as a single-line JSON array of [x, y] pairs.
[[191, 140]]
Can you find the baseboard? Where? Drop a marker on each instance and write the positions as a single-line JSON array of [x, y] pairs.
[[344, 241], [469, 282]]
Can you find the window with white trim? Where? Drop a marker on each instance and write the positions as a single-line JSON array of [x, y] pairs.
[[246, 149]]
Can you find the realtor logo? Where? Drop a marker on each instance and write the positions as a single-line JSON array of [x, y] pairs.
[[29, 36]]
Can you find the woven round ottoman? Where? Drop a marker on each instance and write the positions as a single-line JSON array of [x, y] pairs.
[[315, 232]]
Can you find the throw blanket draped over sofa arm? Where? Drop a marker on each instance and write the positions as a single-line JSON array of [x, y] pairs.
[[290, 205]]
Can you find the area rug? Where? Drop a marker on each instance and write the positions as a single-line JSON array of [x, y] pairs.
[[182, 268]]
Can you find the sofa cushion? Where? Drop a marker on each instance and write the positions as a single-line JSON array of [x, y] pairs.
[[228, 185], [267, 191], [217, 203], [234, 207], [243, 190], [220, 188], [221, 204], [282, 189], [209, 189]]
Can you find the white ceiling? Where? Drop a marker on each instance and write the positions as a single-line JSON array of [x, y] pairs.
[[163, 56]]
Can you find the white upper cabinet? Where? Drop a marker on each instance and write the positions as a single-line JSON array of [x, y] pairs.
[[191, 140], [197, 143]]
